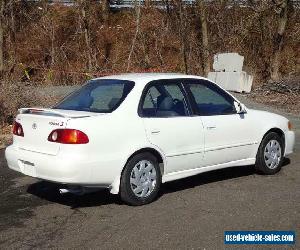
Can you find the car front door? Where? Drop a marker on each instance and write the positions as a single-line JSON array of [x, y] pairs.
[[170, 126], [228, 135]]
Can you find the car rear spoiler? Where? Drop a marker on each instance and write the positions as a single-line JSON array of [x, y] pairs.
[[49, 112]]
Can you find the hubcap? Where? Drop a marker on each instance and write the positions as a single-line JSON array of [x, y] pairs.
[[143, 179], [272, 154]]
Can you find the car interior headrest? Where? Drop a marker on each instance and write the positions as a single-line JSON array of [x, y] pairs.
[[166, 103], [86, 101], [113, 102]]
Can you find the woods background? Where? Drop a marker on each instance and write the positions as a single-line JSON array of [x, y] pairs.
[[42, 43]]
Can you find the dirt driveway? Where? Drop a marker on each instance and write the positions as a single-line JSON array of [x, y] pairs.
[[190, 214]]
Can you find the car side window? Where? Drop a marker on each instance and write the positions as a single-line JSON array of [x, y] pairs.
[[150, 98], [164, 100], [211, 100]]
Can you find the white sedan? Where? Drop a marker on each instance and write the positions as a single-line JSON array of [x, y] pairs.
[[131, 133]]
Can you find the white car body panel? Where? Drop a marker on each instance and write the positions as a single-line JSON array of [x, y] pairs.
[[187, 145], [238, 135], [190, 172], [43, 129], [183, 149]]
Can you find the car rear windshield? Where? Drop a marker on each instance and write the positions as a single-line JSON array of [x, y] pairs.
[[101, 96]]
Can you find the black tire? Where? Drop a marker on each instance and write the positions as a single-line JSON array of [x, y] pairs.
[[260, 164], [126, 192]]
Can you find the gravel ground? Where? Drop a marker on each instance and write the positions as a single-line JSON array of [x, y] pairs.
[[192, 213]]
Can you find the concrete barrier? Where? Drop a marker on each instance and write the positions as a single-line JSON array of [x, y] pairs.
[[229, 74]]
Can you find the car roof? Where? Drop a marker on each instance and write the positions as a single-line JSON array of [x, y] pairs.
[[146, 77]]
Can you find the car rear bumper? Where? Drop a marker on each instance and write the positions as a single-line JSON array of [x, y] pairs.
[[289, 142], [66, 169]]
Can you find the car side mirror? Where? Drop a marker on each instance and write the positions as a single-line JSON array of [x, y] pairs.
[[240, 108]]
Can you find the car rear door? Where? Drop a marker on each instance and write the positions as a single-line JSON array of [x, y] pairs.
[[170, 126], [229, 136]]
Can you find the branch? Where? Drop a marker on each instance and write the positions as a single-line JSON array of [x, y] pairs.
[[138, 12]]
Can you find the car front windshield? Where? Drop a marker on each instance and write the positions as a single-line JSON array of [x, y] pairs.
[[101, 96]]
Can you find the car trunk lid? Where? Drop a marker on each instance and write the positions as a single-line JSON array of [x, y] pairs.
[[39, 123]]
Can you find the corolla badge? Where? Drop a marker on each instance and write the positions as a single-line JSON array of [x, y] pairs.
[[56, 124], [34, 126]]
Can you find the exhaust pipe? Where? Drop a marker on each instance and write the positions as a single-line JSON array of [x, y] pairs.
[[64, 191], [77, 190]]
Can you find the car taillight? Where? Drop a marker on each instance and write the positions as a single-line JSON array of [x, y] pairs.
[[17, 129], [68, 136]]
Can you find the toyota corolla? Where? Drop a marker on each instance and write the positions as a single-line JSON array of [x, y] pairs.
[[131, 133]]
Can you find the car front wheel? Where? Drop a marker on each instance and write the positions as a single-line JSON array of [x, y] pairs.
[[140, 180], [270, 154]]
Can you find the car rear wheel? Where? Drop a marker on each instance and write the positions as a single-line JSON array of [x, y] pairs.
[[270, 154], [140, 180]]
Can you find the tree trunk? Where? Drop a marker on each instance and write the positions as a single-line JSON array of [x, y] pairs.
[[185, 60], [137, 30], [12, 23], [85, 28], [2, 5], [278, 40], [104, 10], [147, 3], [204, 35], [183, 36], [52, 45]]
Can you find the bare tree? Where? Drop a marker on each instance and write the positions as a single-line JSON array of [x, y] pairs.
[[85, 28], [137, 29], [282, 10], [2, 6], [104, 5], [5, 6], [183, 33], [204, 36]]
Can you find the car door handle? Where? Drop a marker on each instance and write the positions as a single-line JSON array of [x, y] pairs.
[[155, 131], [211, 127]]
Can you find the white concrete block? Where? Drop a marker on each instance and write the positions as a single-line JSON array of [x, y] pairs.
[[232, 81], [231, 62]]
